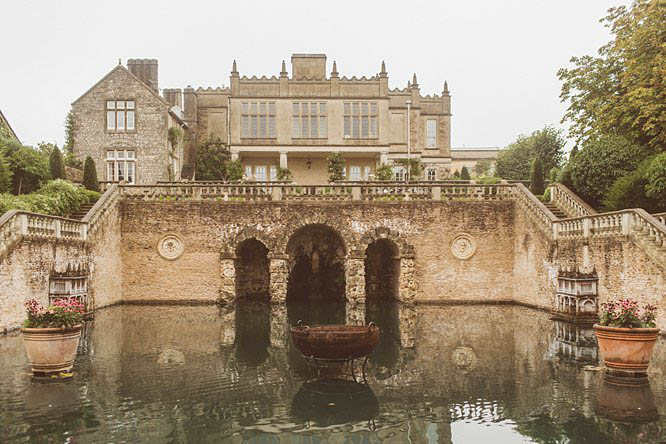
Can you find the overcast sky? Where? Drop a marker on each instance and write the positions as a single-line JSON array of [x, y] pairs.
[[499, 57]]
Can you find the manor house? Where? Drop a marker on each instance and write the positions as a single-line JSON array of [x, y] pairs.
[[293, 120]]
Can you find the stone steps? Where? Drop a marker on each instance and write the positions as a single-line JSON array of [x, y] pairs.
[[82, 211], [556, 210]]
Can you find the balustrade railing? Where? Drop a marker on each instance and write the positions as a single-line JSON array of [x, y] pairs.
[[102, 207], [569, 202], [661, 217]]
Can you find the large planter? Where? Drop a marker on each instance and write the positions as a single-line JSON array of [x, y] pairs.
[[51, 350], [626, 349]]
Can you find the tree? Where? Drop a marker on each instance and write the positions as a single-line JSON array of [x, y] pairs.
[[384, 172], [29, 166], [69, 133], [414, 165], [515, 161], [5, 175], [655, 175], [90, 175], [629, 191], [622, 90], [573, 152], [234, 170], [56, 164], [464, 174], [600, 163], [211, 160], [482, 167], [335, 166], [537, 186]]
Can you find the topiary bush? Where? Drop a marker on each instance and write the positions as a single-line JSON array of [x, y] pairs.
[[56, 164], [90, 175], [537, 186], [464, 174]]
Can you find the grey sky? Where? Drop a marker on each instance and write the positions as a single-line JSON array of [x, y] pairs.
[[499, 57]]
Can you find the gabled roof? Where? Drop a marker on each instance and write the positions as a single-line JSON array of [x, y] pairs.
[[5, 122], [119, 66]]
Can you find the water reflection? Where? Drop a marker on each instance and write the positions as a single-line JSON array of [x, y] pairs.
[[444, 373]]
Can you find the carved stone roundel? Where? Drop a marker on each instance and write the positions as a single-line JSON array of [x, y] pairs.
[[463, 246], [171, 247]]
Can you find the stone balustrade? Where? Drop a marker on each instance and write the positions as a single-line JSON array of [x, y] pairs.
[[566, 200], [102, 207], [15, 225], [534, 207], [661, 217]]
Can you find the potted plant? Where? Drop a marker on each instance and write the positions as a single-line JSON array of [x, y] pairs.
[[626, 335], [51, 335]]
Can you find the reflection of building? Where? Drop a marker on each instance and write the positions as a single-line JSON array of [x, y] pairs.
[[576, 296], [575, 342]]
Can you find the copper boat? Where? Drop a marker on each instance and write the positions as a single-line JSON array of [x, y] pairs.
[[335, 342]]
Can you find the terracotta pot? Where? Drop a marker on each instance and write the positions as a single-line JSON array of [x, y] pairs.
[[626, 349], [627, 400], [51, 350]]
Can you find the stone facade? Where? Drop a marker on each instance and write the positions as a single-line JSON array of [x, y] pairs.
[[146, 139]]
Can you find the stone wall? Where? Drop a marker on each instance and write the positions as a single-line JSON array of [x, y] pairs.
[[106, 273], [24, 274], [423, 232]]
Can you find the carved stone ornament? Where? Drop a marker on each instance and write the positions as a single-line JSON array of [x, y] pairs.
[[171, 247], [464, 359], [463, 246]]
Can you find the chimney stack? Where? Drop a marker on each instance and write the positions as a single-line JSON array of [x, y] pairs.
[[145, 70], [174, 96]]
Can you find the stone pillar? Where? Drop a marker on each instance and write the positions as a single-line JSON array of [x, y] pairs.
[[279, 326], [228, 275], [355, 279], [283, 159], [407, 284], [227, 325], [407, 321], [279, 272], [355, 313]]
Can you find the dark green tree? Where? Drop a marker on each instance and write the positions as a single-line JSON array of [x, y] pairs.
[[629, 191], [90, 175], [464, 174], [211, 160], [537, 186], [600, 163], [56, 164], [29, 166], [573, 152], [234, 170], [655, 174], [335, 166], [622, 91], [69, 133]]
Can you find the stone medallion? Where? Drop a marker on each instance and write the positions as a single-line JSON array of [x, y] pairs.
[[464, 359], [171, 247], [463, 246]]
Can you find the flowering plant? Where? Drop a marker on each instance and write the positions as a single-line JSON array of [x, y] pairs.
[[65, 312], [627, 314]]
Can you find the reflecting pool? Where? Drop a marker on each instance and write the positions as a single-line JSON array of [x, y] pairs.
[[440, 374]]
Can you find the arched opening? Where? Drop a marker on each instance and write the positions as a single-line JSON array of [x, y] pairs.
[[252, 270], [382, 270], [316, 265]]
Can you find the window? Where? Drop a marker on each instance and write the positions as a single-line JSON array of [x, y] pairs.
[[248, 172], [400, 173], [120, 165], [360, 120], [120, 115], [355, 173], [431, 174], [431, 133], [274, 172], [366, 173], [309, 121], [260, 173], [258, 120]]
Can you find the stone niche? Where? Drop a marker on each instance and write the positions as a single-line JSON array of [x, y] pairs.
[[71, 283], [576, 296]]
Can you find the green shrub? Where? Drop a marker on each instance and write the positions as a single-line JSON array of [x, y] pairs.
[[234, 170], [5, 175], [56, 198], [384, 172], [90, 175], [488, 180], [284, 174], [656, 179], [335, 165], [464, 174], [630, 192]]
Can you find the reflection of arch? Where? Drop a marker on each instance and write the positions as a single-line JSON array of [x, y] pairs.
[[382, 269], [252, 270], [316, 263], [253, 332]]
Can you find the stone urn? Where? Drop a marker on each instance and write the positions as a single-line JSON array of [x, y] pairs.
[[51, 350], [626, 349]]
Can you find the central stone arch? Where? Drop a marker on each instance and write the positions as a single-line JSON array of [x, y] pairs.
[[316, 261]]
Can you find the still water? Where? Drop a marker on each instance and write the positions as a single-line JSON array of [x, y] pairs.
[[440, 374]]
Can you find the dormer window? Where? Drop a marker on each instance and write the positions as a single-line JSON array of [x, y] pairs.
[[120, 115]]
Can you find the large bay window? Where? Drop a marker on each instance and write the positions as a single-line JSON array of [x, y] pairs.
[[309, 121], [360, 120], [258, 120], [120, 115], [120, 165]]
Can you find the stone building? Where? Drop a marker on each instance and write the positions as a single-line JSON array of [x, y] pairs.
[[293, 120], [470, 157], [5, 127], [125, 125]]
